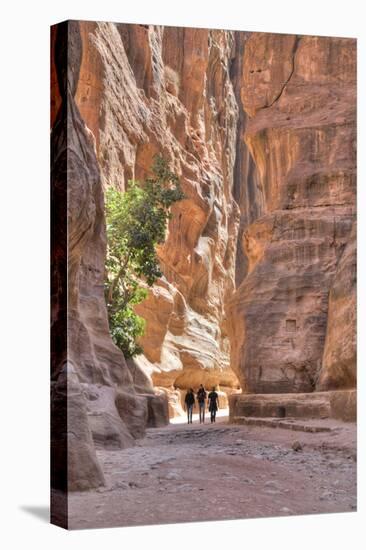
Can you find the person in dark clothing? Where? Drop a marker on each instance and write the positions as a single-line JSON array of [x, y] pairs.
[[201, 398], [213, 404], [189, 403]]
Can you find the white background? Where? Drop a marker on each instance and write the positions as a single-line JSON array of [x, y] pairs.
[[24, 201]]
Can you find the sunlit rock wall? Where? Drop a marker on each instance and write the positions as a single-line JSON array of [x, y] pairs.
[[169, 91]]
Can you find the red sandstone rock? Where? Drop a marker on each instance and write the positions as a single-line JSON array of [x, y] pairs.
[[300, 95]]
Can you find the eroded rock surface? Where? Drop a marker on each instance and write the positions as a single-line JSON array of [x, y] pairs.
[[339, 358], [93, 397], [300, 96], [169, 91]]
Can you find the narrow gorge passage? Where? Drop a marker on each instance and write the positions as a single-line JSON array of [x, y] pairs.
[[257, 291], [221, 471]]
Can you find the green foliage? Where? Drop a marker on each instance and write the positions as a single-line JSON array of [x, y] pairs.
[[126, 327], [136, 223]]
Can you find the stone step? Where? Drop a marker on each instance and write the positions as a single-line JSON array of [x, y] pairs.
[[290, 424], [301, 405], [320, 405]]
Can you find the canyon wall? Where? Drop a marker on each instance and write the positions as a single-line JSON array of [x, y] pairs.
[[292, 318], [261, 130], [258, 286], [169, 91], [94, 402]]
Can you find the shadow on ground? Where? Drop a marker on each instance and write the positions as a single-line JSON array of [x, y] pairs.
[[40, 512]]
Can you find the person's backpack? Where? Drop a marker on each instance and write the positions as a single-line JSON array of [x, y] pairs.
[[201, 394], [189, 398], [213, 396]]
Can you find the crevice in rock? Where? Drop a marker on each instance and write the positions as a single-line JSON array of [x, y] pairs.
[[296, 45], [327, 205]]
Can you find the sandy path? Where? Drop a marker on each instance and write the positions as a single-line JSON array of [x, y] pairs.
[[221, 471]]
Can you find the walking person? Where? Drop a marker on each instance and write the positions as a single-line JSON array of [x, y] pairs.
[[201, 398], [213, 400], [189, 403]]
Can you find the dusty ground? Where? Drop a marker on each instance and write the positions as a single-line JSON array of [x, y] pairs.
[[222, 471]]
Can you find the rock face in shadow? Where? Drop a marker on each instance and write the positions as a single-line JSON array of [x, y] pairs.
[[93, 398], [288, 316]]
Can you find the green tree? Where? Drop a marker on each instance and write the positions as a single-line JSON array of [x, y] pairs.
[[136, 223]]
